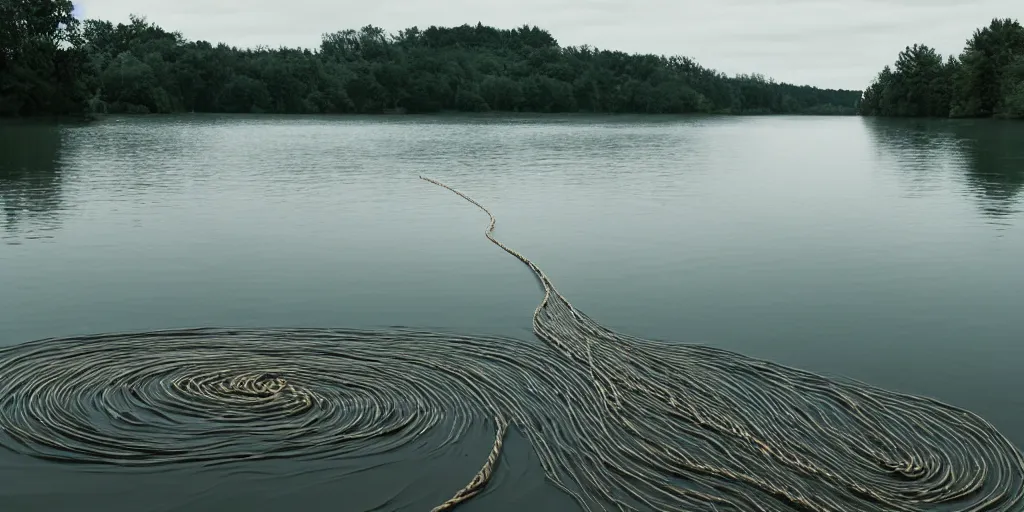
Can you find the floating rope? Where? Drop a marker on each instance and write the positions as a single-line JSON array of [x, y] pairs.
[[618, 422]]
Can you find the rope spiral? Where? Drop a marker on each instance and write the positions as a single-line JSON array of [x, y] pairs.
[[618, 422]]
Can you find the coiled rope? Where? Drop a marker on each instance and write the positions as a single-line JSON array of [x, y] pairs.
[[618, 422]]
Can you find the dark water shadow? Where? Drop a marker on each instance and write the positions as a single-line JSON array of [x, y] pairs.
[[986, 156], [31, 184], [996, 176]]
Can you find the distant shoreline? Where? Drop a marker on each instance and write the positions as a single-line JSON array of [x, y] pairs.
[[140, 68], [97, 117], [456, 113]]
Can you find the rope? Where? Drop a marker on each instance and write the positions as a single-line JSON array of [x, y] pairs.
[[483, 476], [617, 422]]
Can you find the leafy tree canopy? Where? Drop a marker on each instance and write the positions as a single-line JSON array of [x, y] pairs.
[[51, 63], [986, 80]]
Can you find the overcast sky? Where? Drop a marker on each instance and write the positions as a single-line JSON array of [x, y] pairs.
[[827, 43]]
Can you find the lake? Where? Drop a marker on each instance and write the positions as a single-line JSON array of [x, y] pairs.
[[888, 251]]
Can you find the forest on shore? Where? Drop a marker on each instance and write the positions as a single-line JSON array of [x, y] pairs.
[[986, 80], [52, 63]]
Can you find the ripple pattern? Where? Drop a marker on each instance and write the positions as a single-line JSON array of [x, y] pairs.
[[618, 422]]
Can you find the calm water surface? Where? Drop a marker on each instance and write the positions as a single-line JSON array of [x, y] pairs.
[[886, 251]]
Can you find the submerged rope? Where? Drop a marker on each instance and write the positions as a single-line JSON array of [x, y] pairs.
[[618, 422], [483, 476]]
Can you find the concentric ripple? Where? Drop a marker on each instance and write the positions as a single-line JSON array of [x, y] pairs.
[[216, 395], [618, 422]]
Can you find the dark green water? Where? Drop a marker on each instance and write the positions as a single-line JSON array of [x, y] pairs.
[[887, 251]]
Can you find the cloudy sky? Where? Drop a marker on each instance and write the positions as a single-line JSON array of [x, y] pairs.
[[827, 43]]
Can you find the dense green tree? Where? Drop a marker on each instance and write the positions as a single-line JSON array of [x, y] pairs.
[[989, 53], [987, 80], [1013, 88], [139, 67], [41, 59]]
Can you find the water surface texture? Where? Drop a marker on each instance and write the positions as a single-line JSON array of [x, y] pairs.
[[885, 251]]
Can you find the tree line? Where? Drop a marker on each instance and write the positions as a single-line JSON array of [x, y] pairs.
[[52, 63], [986, 80]]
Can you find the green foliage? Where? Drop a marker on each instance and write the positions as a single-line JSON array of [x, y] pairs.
[[140, 67], [987, 80], [40, 59], [1012, 89]]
